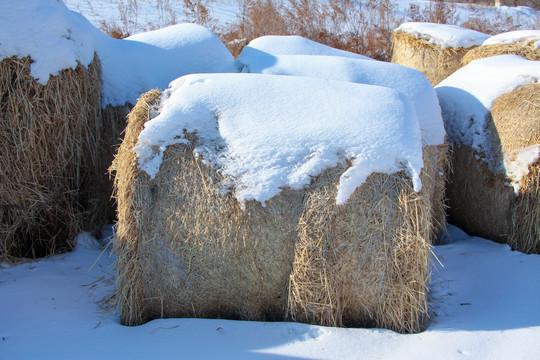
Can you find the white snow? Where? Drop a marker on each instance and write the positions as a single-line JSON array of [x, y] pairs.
[[443, 35], [266, 132], [485, 306], [410, 82], [152, 60], [517, 164], [292, 45], [519, 36], [57, 38], [467, 96]]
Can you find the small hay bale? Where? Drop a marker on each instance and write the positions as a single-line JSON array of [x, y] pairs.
[[528, 51], [49, 140], [185, 249], [481, 199], [432, 60]]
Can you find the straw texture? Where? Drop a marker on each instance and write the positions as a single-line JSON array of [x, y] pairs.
[[50, 138]]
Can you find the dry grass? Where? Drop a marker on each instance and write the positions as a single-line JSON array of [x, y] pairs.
[[49, 141], [184, 249], [528, 51], [481, 202], [433, 61]]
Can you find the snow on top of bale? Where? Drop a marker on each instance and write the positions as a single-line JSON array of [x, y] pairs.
[[511, 37], [153, 59], [55, 37], [443, 35], [292, 45], [410, 82], [280, 131], [468, 95]]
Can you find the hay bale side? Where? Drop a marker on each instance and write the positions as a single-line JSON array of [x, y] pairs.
[[130, 198], [179, 238], [49, 141], [433, 61], [528, 51], [365, 263], [481, 200]]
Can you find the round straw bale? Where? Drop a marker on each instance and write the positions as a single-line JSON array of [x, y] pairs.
[[528, 51], [49, 140], [432, 60], [184, 248], [481, 199]]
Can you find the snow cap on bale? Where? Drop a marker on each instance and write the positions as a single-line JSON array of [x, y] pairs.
[[409, 82], [491, 115], [444, 35], [55, 37], [292, 45], [434, 49], [277, 131], [524, 43], [153, 59]]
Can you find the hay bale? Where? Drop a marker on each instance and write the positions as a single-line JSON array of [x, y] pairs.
[[186, 249], [49, 140], [528, 51], [435, 62], [434, 49], [493, 191]]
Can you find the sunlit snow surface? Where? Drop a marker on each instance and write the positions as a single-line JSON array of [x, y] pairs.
[[484, 300], [410, 82], [445, 36], [266, 132]]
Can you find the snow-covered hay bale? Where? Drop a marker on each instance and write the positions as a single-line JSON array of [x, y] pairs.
[[259, 207], [434, 49], [491, 108], [525, 43], [409, 82], [50, 129]]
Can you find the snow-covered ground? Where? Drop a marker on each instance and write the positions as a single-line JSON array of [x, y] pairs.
[[485, 306]]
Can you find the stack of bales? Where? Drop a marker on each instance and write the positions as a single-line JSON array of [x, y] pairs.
[[434, 49], [66, 88], [409, 82], [218, 217], [50, 129], [525, 43], [491, 111]]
